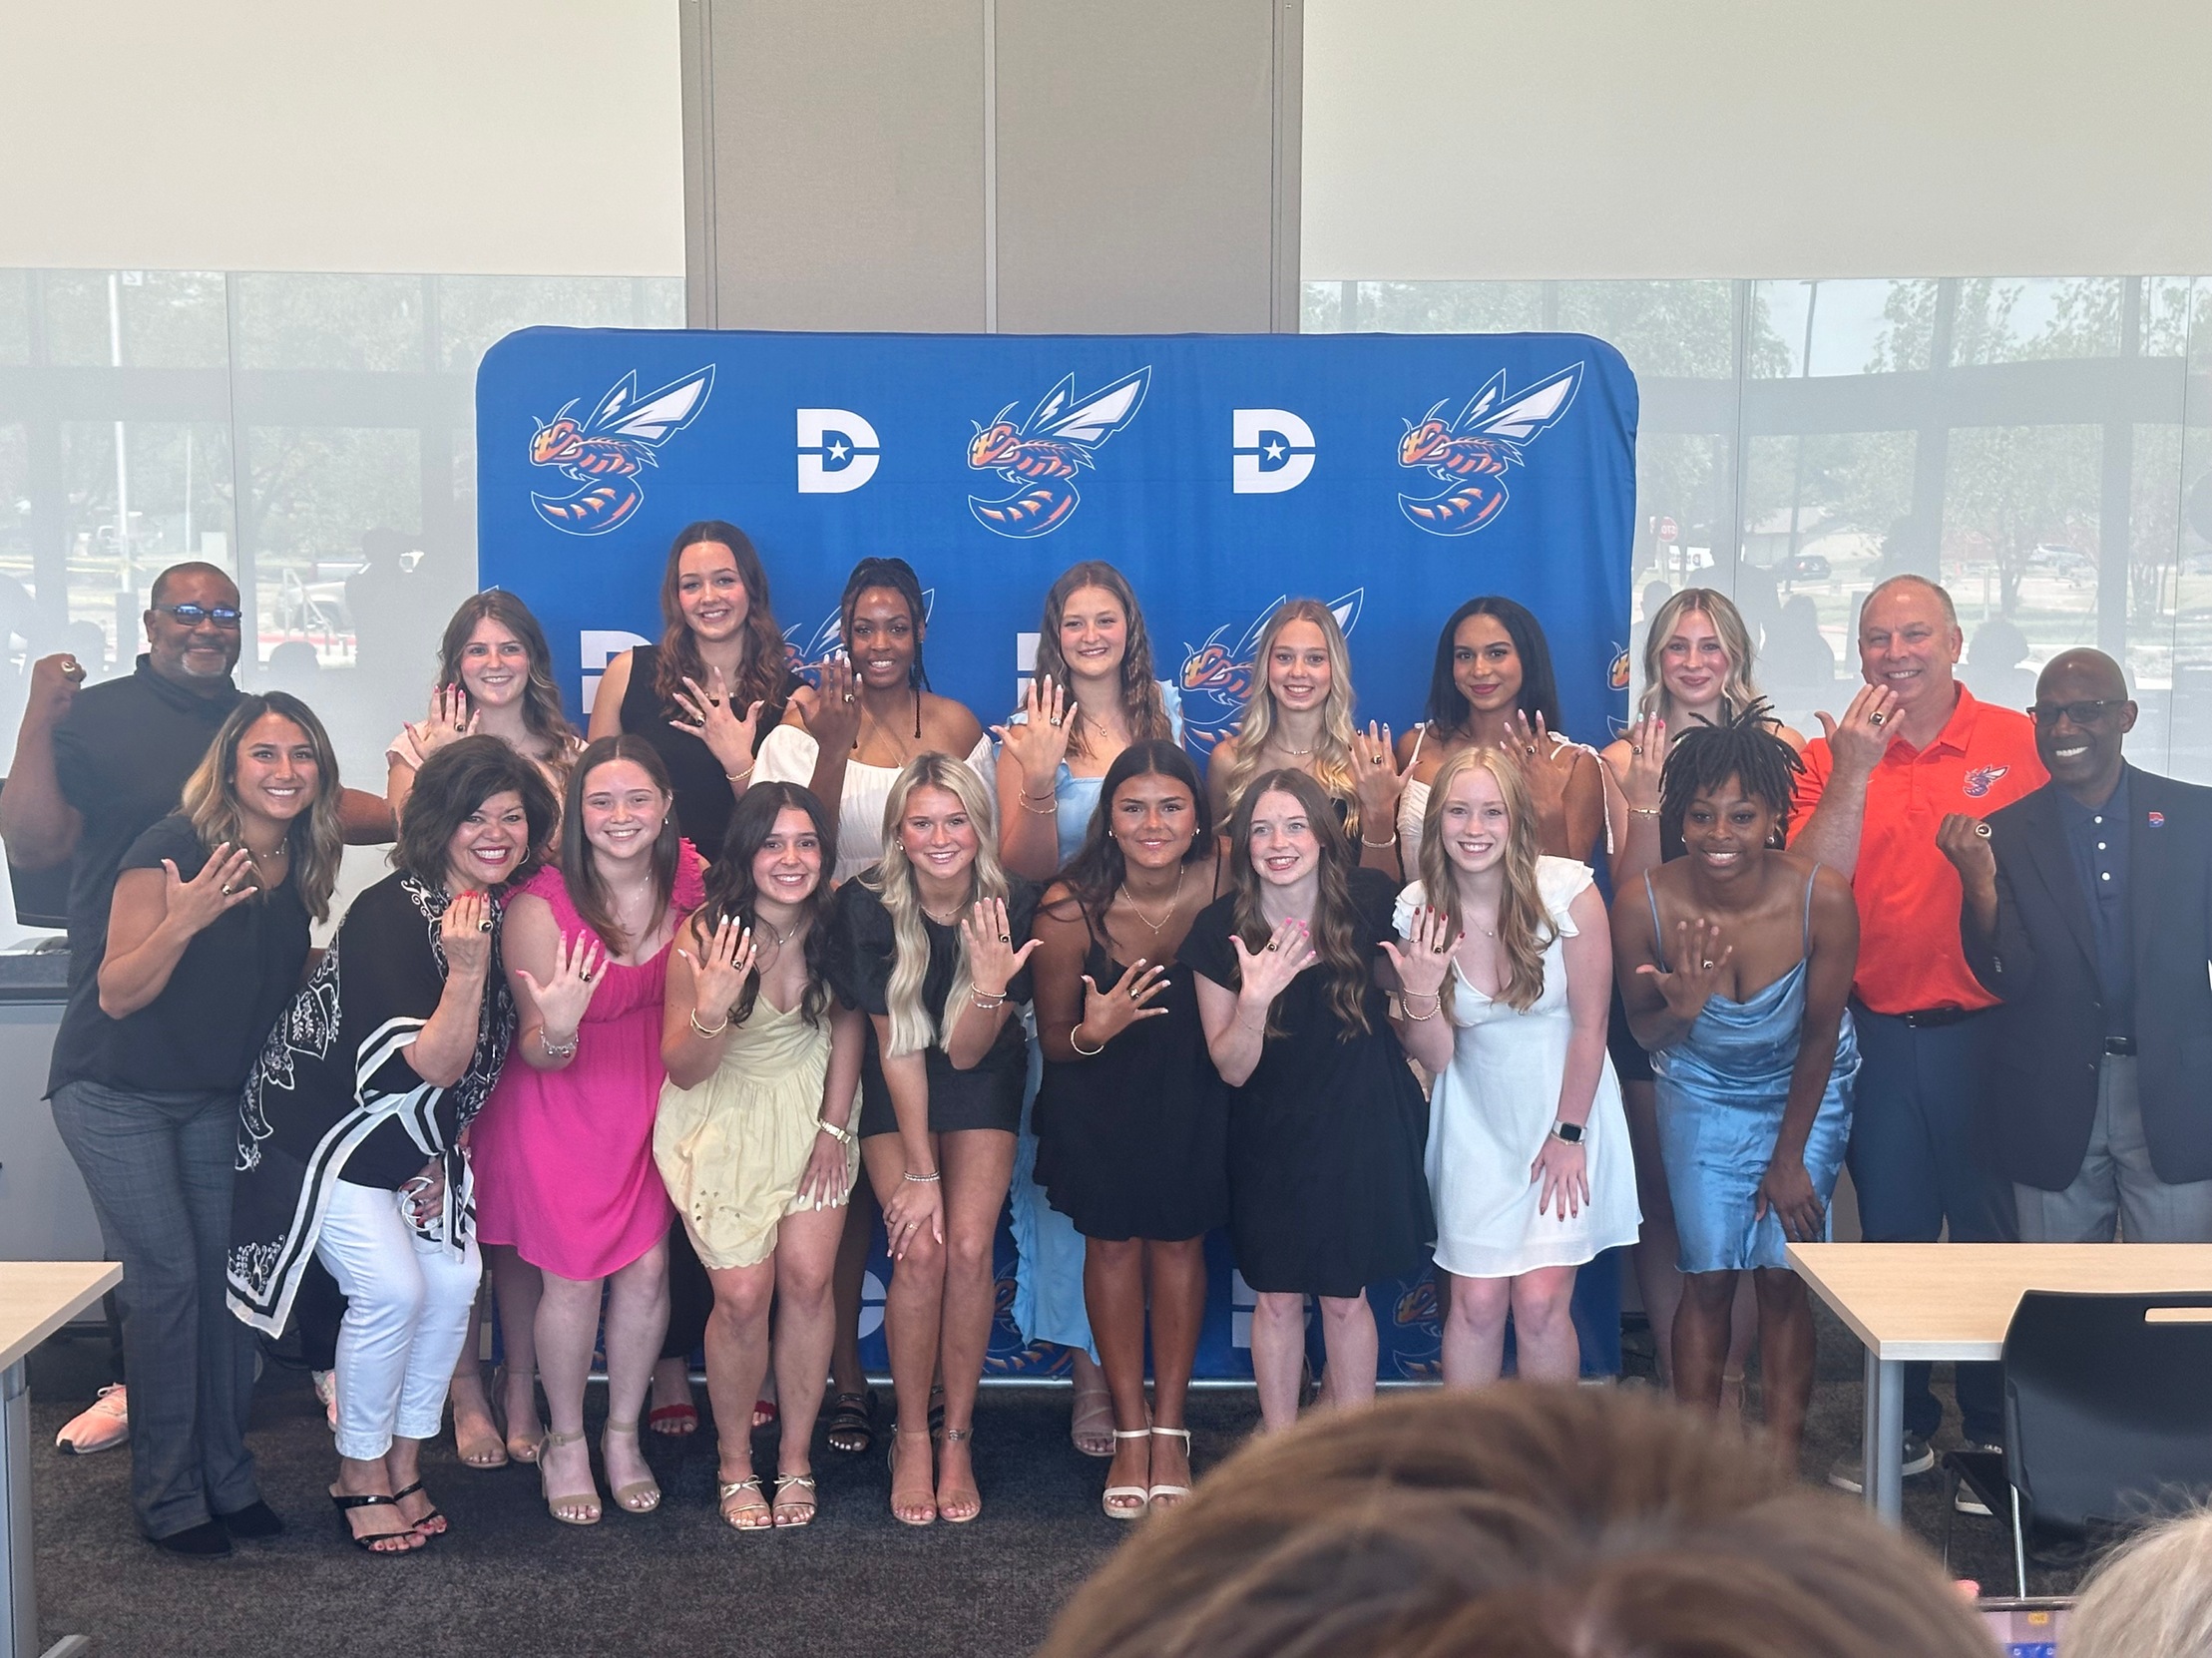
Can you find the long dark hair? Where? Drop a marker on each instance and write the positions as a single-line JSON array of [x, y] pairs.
[[731, 896], [767, 663], [1096, 873], [1348, 972], [580, 871], [454, 782], [1141, 704], [1540, 690], [542, 715], [315, 837]]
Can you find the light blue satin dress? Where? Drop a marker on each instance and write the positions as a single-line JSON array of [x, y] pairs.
[[1048, 1274], [1721, 1092]]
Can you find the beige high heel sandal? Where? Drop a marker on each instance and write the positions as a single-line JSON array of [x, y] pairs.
[[554, 1498], [639, 1496], [1142, 1495], [1176, 1492]]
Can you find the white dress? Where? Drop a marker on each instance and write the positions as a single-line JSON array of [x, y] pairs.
[[1497, 1100], [787, 757]]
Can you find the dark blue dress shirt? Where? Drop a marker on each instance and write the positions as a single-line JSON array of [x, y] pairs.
[[2097, 839]]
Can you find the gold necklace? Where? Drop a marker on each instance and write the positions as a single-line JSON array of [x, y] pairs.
[[1161, 926]]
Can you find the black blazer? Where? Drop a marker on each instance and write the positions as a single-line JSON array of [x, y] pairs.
[[2049, 1037]]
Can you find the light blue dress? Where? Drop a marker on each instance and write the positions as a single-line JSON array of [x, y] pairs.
[[1048, 1274], [1721, 1092]]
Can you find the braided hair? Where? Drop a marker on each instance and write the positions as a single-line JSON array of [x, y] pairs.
[[1743, 746], [898, 576]]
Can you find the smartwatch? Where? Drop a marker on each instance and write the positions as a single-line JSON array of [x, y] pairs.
[[1571, 1133]]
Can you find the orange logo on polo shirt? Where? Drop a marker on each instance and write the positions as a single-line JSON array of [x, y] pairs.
[[1976, 782]]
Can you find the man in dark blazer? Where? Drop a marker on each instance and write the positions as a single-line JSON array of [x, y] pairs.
[[2088, 909]]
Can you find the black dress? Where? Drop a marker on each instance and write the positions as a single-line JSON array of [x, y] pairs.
[[1326, 1190], [333, 1096], [1133, 1142], [703, 799], [860, 943]]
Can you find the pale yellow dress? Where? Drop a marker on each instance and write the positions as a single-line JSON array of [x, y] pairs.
[[735, 1149]]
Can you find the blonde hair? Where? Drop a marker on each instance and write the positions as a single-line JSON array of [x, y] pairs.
[[1332, 754], [913, 1027], [1524, 927], [2151, 1598], [315, 837], [1736, 689]]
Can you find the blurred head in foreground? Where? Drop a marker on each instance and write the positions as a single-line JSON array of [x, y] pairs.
[[2151, 1599], [1522, 1521]]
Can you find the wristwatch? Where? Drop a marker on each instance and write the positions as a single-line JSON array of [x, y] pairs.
[[1571, 1133]]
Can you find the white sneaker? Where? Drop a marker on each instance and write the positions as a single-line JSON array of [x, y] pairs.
[[102, 1426]]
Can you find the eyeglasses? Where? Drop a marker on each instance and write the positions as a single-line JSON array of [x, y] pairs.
[[2078, 713], [192, 616]]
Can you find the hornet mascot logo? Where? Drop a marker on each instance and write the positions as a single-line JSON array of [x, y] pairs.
[[1470, 455], [608, 451], [1217, 676], [1043, 454]]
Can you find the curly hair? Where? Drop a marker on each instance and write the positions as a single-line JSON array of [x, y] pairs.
[[1348, 972], [1746, 748], [732, 895]]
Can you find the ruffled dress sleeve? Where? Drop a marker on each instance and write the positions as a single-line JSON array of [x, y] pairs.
[[1559, 881], [786, 755]]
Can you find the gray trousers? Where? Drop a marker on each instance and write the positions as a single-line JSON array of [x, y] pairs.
[[2117, 1193], [158, 1168]]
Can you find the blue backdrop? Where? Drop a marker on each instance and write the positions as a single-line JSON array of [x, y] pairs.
[[1391, 476]]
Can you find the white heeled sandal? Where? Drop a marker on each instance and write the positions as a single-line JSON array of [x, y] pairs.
[[1142, 1495], [1153, 1494]]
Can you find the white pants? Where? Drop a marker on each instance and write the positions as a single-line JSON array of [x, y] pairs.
[[406, 1317]]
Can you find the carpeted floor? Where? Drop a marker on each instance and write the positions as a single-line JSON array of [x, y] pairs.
[[508, 1580]]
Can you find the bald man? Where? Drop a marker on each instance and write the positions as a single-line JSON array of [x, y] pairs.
[[2087, 907]]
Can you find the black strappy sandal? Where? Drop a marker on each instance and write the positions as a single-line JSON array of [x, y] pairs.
[[435, 1513], [367, 1545], [851, 1427]]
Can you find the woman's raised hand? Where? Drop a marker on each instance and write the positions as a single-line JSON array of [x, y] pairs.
[[992, 958], [465, 934], [1545, 766], [835, 723], [1108, 1013], [712, 718], [563, 998], [1376, 778], [1700, 969], [1264, 973], [450, 720], [1646, 762], [1039, 740], [721, 969], [221, 885], [1427, 955]]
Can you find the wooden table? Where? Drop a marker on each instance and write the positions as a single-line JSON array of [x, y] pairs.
[[1910, 1301], [36, 1299]]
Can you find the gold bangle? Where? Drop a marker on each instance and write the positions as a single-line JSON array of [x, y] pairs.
[[835, 1130], [1087, 1052], [1436, 997], [1645, 811], [1041, 811], [702, 1030], [739, 776]]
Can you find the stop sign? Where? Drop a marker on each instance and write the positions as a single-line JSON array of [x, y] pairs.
[[1669, 531]]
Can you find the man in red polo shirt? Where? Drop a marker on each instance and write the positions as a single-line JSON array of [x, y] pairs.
[[1913, 746]]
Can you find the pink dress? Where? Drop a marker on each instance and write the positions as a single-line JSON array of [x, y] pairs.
[[563, 1158]]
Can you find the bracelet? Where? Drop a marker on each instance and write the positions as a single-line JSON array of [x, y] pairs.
[[1087, 1052], [703, 1031], [739, 776], [1645, 811], [1041, 811], [1435, 1001], [557, 1051], [835, 1130], [929, 1179], [989, 1001], [1379, 844]]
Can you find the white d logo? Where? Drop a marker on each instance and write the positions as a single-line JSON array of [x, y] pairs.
[[1270, 451], [838, 451]]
